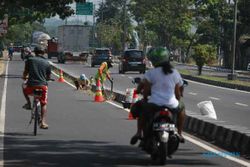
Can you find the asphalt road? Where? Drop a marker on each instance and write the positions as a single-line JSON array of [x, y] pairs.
[[81, 133], [232, 106]]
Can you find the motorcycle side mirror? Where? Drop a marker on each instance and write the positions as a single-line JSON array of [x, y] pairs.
[[185, 83], [137, 80]]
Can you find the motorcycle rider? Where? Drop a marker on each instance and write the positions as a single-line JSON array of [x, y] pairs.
[[161, 86]]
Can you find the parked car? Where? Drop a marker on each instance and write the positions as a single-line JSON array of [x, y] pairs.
[[100, 55], [132, 60]]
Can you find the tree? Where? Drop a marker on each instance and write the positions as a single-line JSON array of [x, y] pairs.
[[21, 33], [169, 19], [34, 10], [203, 54]]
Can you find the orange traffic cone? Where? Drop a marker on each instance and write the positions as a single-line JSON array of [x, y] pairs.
[[98, 94], [60, 79], [134, 100]]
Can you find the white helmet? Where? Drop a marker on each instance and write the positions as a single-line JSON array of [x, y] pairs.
[[83, 77]]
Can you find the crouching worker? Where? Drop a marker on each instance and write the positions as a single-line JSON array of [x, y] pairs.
[[83, 83]]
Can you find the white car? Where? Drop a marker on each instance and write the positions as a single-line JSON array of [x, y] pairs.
[[248, 67]]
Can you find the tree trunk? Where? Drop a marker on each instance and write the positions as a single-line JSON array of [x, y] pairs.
[[199, 70]]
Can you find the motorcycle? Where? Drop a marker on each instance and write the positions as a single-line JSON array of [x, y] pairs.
[[160, 138]]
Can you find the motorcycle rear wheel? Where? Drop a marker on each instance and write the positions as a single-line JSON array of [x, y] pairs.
[[163, 152]]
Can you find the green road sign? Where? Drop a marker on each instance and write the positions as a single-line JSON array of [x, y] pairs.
[[84, 8]]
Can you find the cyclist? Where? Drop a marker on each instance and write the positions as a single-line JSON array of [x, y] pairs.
[[10, 51], [103, 72], [37, 71], [161, 86]]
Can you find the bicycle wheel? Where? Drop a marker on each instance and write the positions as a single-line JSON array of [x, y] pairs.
[[36, 117]]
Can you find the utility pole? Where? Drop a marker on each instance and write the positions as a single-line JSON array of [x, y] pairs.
[[124, 24], [101, 25], [233, 75]]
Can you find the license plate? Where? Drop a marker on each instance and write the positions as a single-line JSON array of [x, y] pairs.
[[164, 126]]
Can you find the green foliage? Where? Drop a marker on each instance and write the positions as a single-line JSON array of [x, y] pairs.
[[23, 11], [109, 36], [203, 54], [21, 33]]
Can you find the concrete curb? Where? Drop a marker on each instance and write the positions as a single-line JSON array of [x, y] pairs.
[[229, 137]]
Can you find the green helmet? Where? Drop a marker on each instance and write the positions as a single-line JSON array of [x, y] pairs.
[[158, 55]]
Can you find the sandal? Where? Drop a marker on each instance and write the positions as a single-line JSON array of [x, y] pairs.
[[27, 106], [134, 139], [44, 126]]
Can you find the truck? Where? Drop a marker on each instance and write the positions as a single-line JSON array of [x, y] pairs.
[[73, 43], [52, 48]]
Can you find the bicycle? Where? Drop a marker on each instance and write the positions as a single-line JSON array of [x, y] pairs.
[[36, 109], [10, 57]]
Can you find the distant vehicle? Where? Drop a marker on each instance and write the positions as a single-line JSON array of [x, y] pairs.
[[52, 48], [248, 67], [32, 46], [100, 55], [73, 43], [132, 60], [17, 48]]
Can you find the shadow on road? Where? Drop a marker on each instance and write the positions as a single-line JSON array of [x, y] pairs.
[[21, 150]]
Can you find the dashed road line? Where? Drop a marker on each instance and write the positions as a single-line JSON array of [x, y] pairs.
[[192, 93], [242, 104], [214, 98]]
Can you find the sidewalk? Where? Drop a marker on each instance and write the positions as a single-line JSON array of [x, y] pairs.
[[2, 64]]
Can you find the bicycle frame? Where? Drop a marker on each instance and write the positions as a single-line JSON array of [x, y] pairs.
[[36, 111]]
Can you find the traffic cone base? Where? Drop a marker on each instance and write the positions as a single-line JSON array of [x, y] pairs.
[[135, 98], [130, 116], [61, 79], [98, 96]]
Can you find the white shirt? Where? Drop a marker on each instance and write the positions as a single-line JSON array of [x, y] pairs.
[[163, 87]]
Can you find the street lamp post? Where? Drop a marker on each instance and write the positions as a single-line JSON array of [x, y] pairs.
[[233, 75], [124, 24]]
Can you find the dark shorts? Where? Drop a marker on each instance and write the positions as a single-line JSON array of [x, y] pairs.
[[147, 109]]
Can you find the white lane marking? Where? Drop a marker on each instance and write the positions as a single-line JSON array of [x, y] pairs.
[[214, 98], [65, 80], [130, 77], [241, 104], [219, 87], [192, 93], [196, 142], [2, 114], [208, 148]]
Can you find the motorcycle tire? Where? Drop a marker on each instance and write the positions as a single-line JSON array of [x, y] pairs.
[[163, 152]]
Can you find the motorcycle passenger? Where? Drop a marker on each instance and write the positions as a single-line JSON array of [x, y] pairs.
[[37, 71], [103, 72], [161, 86]]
